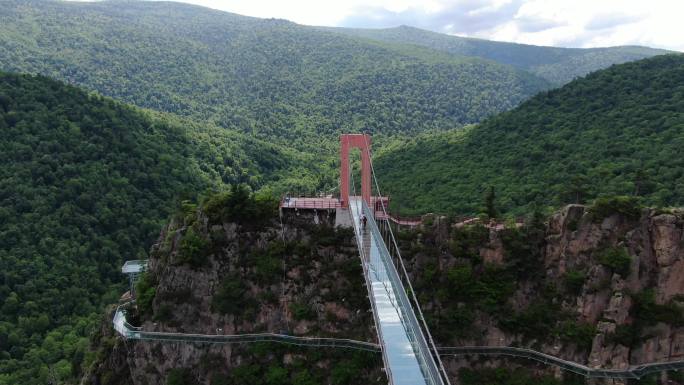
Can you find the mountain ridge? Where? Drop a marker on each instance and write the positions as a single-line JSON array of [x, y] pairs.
[[269, 78], [620, 126], [551, 63]]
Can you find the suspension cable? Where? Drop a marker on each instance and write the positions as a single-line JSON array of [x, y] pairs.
[[403, 267]]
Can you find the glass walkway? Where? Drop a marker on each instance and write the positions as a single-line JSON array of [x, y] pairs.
[[408, 360]]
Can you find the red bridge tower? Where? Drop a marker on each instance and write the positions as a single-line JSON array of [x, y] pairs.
[[362, 142]]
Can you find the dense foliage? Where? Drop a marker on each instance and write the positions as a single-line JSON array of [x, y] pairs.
[[463, 285], [618, 131], [85, 184], [267, 77], [555, 64], [265, 364], [517, 376]]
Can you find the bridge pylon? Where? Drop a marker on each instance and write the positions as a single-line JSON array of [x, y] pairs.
[[362, 142]]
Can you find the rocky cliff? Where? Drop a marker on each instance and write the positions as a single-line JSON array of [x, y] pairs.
[[600, 285], [216, 272]]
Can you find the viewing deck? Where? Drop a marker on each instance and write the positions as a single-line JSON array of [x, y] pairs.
[[324, 203]]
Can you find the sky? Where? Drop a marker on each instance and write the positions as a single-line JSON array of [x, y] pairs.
[[563, 23]]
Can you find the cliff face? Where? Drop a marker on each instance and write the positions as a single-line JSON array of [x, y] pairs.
[[212, 276], [597, 286], [614, 302], [601, 286]]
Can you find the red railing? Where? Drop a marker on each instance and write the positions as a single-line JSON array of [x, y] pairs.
[[310, 203]]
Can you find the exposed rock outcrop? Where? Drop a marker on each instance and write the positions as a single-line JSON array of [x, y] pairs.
[[628, 288], [222, 277]]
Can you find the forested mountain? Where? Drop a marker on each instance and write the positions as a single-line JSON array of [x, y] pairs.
[[556, 65], [617, 131], [269, 77], [85, 184]]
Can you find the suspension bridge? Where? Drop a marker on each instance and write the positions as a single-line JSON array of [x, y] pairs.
[[409, 354]]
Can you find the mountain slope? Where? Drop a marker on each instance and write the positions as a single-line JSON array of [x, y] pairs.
[[617, 131], [267, 77], [85, 184], [556, 65]]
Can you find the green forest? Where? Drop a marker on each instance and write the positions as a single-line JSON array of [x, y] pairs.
[[618, 131], [86, 184], [269, 78], [218, 99]]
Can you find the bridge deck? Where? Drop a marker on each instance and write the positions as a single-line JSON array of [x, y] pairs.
[[405, 356]]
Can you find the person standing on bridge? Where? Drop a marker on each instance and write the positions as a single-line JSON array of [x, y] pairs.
[[364, 220]]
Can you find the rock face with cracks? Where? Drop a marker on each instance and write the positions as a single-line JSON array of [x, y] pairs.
[[599, 288], [303, 278], [602, 289]]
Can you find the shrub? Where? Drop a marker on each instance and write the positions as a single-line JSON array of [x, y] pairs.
[[625, 335], [581, 334], [276, 375], [240, 206], [466, 241], [456, 322], [302, 311], [494, 287], [180, 377], [617, 259], [193, 248], [230, 298], [460, 279], [145, 290], [574, 280], [246, 374], [604, 207], [164, 313], [648, 312], [345, 372]]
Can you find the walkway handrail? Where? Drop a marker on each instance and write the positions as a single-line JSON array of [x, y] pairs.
[[424, 355], [303, 204], [369, 287], [636, 371], [136, 333], [436, 359]]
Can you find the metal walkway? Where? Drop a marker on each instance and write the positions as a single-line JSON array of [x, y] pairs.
[[408, 360], [635, 371], [136, 333]]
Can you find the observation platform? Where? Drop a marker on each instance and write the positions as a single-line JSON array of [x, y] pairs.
[[334, 203], [134, 267]]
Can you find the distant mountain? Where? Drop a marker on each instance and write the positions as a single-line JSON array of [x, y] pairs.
[[267, 77], [556, 65], [616, 131]]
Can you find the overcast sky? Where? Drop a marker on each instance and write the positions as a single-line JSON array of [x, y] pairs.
[[566, 23]]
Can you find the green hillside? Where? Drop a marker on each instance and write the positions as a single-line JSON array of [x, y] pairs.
[[86, 183], [617, 131], [556, 65], [268, 77]]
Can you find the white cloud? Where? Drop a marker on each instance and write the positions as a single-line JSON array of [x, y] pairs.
[[576, 23]]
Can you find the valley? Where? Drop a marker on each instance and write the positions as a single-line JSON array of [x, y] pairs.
[[169, 132]]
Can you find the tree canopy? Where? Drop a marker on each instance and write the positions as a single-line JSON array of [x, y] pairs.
[[85, 184], [617, 131]]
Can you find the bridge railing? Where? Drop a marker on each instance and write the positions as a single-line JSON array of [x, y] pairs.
[[310, 203], [408, 317], [136, 333], [635, 372]]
